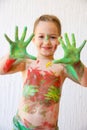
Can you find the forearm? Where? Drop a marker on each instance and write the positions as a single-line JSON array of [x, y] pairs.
[[10, 65], [81, 71], [84, 77], [6, 63]]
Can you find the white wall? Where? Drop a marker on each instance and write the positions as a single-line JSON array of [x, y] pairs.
[[73, 15]]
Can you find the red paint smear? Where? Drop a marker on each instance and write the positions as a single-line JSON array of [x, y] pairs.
[[8, 64], [42, 82], [47, 124]]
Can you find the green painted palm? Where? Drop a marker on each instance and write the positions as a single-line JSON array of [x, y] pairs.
[[18, 47], [71, 54]]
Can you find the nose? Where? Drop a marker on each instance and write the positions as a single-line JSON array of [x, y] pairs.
[[47, 39]]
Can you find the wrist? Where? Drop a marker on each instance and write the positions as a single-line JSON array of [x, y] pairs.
[[9, 62], [79, 67]]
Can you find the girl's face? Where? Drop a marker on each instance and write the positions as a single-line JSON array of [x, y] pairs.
[[46, 39]]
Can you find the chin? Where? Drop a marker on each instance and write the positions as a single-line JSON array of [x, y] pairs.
[[47, 55]]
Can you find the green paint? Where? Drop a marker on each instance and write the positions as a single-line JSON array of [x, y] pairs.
[[71, 71], [46, 38], [18, 125], [18, 47], [71, 54], [29, 90], [53, 94], [26, 108]]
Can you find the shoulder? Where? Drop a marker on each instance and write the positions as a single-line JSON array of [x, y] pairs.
[[58, 69], [29, 63]]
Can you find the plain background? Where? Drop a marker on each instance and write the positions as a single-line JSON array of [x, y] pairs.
[[73, 16]]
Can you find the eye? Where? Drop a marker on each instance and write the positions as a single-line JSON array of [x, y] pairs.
[[53, 37], [41, 37]]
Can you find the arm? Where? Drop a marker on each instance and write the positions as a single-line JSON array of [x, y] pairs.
[[10, 65], [16, 59], [81, 70], [73, 67]]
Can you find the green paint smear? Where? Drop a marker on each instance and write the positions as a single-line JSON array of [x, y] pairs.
[[29, 90], [71, 71], [18, 125], [53, 94]]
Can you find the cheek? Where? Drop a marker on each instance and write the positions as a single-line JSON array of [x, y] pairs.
[[38, 45], [55, 47]]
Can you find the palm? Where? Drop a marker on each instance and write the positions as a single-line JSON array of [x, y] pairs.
[[18, 47], [71, 55]]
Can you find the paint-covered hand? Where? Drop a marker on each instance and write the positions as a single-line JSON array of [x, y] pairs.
[[71, 53], [18, 47]]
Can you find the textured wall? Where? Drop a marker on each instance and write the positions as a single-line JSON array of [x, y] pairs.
[[73, 15]]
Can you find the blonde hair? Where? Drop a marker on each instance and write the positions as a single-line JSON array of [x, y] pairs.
[[48, 18]]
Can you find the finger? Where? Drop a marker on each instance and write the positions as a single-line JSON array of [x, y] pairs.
[[62, 60], [67, 39], [16, 33], [62, 43], [31, 56], [8, 39], [23, 34], [29, 39], [73, 40], [83, 44]]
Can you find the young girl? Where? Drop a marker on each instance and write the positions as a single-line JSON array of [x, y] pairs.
[[43, 76]]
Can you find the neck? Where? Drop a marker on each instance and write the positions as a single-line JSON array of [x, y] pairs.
[[46, 58]]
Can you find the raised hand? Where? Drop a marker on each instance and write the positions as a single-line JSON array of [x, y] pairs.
[[71, 54], [18, 47]]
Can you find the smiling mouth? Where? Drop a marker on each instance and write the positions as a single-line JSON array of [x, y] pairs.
[[47, 48]]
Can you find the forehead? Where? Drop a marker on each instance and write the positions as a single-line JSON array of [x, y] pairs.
[[46, 27]]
